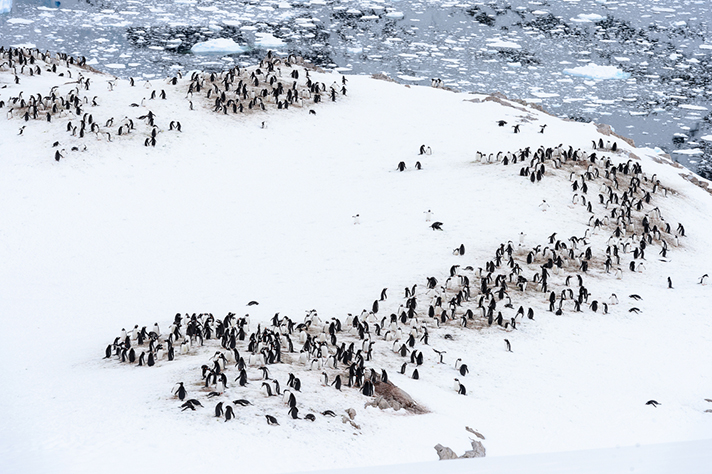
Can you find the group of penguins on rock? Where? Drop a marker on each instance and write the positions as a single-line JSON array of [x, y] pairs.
[[344, 354], [275, 83]]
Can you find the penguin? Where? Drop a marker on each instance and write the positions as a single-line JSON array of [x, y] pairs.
[[428, 215], [229, 413], [324, 379], [267, 389], [271, 420], [459, 388], [703, 279], [242, 402], [383, 294], [440, 354], [509, 346], [328, 413], [464, 370], [309, 417], [437, 226], [669, 280], [401, 166], [294, 413], [653, 403], [415, 375], [180, 391], [501, 123], [337, 383], [357, 219], [541, 130], [516, 128], [403, 367], [418, 166], [219, 410]]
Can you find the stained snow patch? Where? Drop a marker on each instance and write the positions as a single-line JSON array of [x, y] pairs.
[[218, 45], [594, 71]]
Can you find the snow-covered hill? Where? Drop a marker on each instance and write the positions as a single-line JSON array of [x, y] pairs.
[[259, 206]]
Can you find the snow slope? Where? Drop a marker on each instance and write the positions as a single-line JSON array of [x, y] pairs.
[[228, 211]]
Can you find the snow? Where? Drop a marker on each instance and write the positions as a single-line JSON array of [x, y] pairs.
[[218, 45], [692, 457], [594, 71], [228, 211]]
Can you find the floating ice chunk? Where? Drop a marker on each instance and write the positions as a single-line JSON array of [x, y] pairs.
[[268, 40], [594, 71], [706, 46], [5, 6], [396, 15], [93, 61], [498, 43], [692, 151], [587, 18], [24, 45], [540, 12], [354, 50], [692, 107], [707, 137], [20, 21], [218, 45], [115, 66]]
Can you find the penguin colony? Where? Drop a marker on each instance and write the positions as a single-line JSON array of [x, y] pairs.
[[266, 369], [276, 366], [351, 353], [274, 84]]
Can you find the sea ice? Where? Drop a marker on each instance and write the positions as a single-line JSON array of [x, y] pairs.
[[594, 71], [218, 45]]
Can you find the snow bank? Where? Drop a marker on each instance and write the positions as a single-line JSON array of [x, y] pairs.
[[594, 71], [227, 211], [218, 45]]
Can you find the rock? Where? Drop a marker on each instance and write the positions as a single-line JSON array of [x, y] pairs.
[[445, 452], [477, 451], [351, 412], [475, 432]]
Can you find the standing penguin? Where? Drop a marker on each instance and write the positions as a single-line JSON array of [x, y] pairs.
[[229, 413], [180, 391], [219, 410], [509, 346]]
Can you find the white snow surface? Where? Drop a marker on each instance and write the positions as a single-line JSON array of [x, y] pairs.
[[595, 71], [228, 211]]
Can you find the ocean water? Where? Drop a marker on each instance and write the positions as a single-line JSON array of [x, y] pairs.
[[644, 67]]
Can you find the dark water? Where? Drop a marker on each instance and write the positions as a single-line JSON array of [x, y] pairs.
[[662, 50]]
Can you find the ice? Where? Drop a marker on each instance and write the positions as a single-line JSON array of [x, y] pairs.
[[218, 45], [20, 21], [5, 6], [267, 40], [594, 71]]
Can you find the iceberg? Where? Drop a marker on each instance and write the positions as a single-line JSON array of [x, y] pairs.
[[594, 71], [267, 40], [5, 6], [218, 45]]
